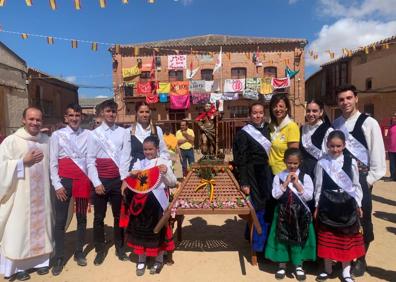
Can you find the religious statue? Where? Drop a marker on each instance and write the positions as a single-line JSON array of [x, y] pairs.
[[207, 123]]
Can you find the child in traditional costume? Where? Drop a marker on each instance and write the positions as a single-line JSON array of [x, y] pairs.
[[146, 204], [292, 235], [338, 198]]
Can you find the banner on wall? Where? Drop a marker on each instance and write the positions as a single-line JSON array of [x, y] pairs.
[[130, 72], [177, 62], [197, 86], [234, 85], [179, 88]]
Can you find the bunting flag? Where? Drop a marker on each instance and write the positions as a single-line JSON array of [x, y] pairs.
[[2, 2], [219, 61], [291, 73], [124, 1], [52, 4], [77, 4], [136, 51], [278, 83], [102, 3], [94, 46], [74, 43], [28, 3], [151, 1], [24, 36], [117, 48], [50, 40]]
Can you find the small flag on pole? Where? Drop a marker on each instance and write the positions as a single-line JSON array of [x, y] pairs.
[[102, 3], [53, 4], [50, 40], [2, 2], [94, 46], [77, 4], [28, 3], [74, 43], [24, 36]]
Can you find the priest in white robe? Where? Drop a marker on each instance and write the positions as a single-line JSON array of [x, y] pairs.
[[25, 204]]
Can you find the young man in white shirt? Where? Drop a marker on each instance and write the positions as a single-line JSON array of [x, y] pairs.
[[364, 142]]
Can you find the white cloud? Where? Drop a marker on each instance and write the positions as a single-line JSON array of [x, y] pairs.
[[71, 79], [347, 33], [358, 9], [291, 2], [102, 96], [184, 2]]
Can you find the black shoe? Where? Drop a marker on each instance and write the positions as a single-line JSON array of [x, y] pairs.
[[80, 259], [347, 279], [140, 271], [122, 256], [322, 277], [22, 276], [359, 268], [156, 268], [280, 274], [100, 256], [42, 270], [57, 267], [300, 274]]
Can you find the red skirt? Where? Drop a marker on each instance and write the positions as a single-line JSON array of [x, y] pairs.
[[340, 247], [167, 245]]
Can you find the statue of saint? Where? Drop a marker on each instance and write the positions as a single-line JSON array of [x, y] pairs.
[[207, 123]]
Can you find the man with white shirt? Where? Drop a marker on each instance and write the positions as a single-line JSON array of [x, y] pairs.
[[364, 142], [108, 159], [68, 166]]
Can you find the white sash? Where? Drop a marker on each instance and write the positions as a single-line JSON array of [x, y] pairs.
[[72, 151], [278, 128], [256, 135], [338, 175], [314, 151], [159, 192], [283, 176], [106, 144], [354, 146]]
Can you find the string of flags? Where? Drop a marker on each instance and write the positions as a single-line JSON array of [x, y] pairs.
[[349, 52], [77, 3]]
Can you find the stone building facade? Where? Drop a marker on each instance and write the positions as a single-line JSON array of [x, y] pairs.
[[202, 51], [13, 90], [50, 94], [371, 69]]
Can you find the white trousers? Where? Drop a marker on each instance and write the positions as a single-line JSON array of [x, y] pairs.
[[9, 267]]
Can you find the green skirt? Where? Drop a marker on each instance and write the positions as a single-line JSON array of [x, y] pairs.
[[281, 252]]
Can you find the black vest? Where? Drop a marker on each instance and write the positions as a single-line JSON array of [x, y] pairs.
[[328, 183]]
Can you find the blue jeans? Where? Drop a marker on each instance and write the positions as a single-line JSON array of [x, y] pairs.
[[186, 156]]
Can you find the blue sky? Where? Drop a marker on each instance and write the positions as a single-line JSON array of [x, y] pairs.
[[327, 24]]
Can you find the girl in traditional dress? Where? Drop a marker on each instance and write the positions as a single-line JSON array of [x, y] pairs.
[[146, 209], [292, 235], [338, 198], [313, 139]]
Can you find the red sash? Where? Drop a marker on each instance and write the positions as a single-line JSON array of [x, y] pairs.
[[81, 186], [107, 168]]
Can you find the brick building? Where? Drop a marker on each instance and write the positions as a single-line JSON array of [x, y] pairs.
[[371, 69], [51, 94], [274, 53], [13, 91]]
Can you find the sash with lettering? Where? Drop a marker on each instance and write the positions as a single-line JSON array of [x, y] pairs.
[[353, 145], [314, 151], [107, 146], [337, 174], [294, 214], [260, 138], [74, 167]]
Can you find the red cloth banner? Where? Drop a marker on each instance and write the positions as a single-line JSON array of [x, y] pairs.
[[280, 82], [144, 88]]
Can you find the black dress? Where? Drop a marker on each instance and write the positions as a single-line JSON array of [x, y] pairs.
[[251, 161]]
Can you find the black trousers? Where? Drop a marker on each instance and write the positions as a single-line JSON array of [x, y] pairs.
[[367, 207], [112, 195], [392, 165], [61, 212]]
